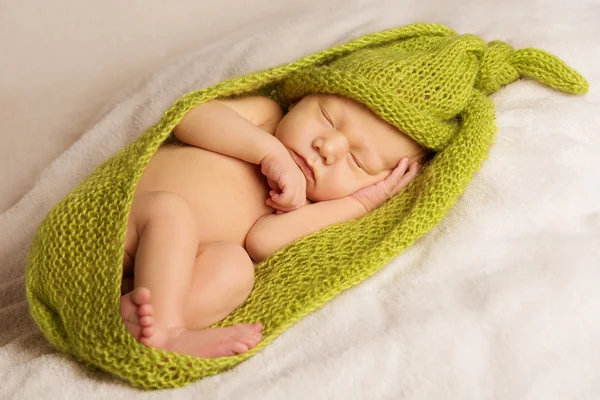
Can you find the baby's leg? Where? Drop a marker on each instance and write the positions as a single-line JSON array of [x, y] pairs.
[[164, 263], [223, 278], [165, 255]]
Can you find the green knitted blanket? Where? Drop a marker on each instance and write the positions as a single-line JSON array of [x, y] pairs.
[[424, 79]]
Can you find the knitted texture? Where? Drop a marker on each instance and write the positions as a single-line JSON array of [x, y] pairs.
[[424, 79]]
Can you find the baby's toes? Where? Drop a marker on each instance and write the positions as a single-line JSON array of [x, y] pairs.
[[146, 340], [148, 332], [140, 296], [149, 338], [238, 347], [148, 320], [249, 337], [252, 341], [146, 310]]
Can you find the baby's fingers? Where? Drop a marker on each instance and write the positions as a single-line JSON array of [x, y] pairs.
[[293, 203], [400, 177], [289, 198], [272, 184], [282, 198], [278, 209]]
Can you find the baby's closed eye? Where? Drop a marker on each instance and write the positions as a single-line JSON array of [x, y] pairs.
[[327, 117], [356, 161]]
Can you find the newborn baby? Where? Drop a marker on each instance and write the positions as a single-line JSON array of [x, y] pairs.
[[246, 182]]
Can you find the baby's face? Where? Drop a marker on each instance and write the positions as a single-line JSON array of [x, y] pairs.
[[345, 144]]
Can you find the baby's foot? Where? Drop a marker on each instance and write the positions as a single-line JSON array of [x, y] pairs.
[[215, 342], [138, 316]]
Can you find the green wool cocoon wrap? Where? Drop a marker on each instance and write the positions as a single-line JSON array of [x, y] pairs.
[[424, 79]]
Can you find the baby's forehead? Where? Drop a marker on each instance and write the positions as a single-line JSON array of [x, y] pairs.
[[350, 106], [341, 100], [358, 112]]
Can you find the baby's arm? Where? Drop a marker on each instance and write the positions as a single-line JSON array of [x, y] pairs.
[[232, 127], [273, 231]]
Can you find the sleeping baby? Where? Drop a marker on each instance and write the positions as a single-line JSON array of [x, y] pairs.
[[179, 224], [244, 182]]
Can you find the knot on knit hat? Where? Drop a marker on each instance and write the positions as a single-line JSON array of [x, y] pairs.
[[496, 68], [501, 64], [421, 82]]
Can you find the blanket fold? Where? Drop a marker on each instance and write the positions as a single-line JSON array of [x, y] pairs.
[[424, 79]]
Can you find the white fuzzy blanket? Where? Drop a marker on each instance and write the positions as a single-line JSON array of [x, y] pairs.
[[499, 301]]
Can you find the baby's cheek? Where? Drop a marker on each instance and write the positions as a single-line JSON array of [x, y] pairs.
[[334, 188]]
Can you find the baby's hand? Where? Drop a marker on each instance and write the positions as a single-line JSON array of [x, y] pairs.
[[279, 212], [286, 180], [375, 195]]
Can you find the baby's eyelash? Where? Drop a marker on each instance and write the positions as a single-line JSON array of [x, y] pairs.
[[356, 161], [327, 117]]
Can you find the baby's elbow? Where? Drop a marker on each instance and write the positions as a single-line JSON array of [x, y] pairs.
[[255, 246], [264, 239], [187, 128]]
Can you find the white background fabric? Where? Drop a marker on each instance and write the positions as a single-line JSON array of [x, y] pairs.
[[499, 301]]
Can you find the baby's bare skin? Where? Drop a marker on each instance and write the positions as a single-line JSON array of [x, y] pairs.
[[201, 209], [225, 204]]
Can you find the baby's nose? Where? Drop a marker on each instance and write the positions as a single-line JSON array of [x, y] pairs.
[[331, 147]]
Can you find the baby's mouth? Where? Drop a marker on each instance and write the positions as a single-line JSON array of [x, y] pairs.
[[306, 169]]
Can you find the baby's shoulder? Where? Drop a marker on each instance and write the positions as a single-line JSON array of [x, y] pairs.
[[261, 111]]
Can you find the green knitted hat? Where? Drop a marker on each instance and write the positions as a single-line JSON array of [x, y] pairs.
[[424, 79], [422, 83]]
